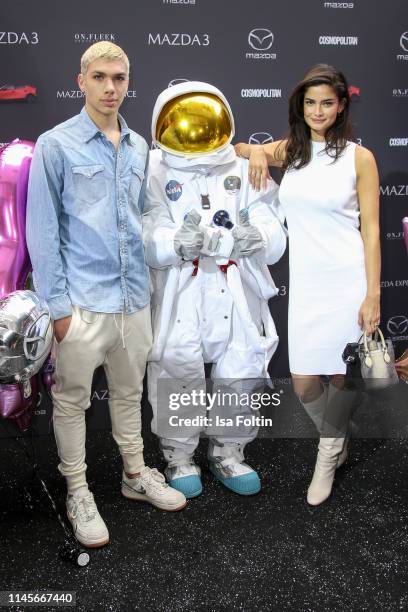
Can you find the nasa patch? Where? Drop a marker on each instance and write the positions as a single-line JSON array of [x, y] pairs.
[[232, 184], [173, 190]]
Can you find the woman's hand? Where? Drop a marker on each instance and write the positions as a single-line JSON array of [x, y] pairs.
[[258, 171], [369, 314]]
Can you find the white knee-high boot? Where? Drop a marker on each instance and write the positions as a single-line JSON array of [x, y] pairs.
[[316, 411], [332, 451]]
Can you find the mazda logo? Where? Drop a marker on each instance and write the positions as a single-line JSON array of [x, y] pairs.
[[261, 39], [260, 138], [397, 325], [177, 82], [404, 41]]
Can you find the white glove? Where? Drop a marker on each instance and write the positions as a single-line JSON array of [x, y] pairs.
[[247, 238], [189, 239]]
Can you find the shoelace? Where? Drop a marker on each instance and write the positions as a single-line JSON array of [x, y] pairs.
[[151, 477], [86, 508]]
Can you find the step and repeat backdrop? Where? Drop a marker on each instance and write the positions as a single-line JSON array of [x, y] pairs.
[[255, 51]]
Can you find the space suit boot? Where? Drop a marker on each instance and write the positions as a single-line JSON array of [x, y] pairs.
[[226, 462], [186, 478], [181, 472]]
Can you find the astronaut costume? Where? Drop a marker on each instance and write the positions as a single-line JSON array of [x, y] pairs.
[[210, 280]]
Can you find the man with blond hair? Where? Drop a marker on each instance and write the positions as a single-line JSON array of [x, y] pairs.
[[84, 209]]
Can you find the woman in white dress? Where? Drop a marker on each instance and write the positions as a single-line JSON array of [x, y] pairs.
[[330, 195]]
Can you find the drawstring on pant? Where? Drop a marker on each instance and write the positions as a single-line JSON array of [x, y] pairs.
[[122, 328], [122, 331]]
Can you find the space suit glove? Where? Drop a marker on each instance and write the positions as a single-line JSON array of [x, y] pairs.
[[247, 238], [211, 241], [189, 239]]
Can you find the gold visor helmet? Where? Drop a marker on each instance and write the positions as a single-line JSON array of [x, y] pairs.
[[195, 123]]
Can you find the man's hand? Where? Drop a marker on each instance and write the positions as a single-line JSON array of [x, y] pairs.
[[247, 238], [61, 327], [189, 239]]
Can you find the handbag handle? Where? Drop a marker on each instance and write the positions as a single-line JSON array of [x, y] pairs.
[[367, 359]]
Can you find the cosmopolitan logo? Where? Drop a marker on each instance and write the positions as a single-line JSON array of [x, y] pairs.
[[73, 94], [338, 5], [93, 37], [394, 190], [19, 38], [179, 40], [338, 40], [398, 142], [261, 93], [394, 283]]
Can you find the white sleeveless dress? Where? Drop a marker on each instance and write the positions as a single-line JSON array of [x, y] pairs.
[[327, 281]]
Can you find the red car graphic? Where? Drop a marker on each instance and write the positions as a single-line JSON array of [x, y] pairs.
[[354, 91], [18, 92]]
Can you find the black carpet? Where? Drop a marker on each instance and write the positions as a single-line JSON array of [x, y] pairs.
[[223, 552]]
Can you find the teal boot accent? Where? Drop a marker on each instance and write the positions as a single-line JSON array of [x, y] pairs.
[[244, 484], [186, 479]]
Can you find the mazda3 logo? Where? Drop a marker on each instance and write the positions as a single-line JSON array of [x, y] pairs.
[[260, 138], [404, 41], [261, 39], [397, 325]]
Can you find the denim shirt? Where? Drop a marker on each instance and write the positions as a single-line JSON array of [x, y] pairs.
[[84, 234]]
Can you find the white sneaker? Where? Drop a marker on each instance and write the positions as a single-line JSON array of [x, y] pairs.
[[151, 487], [87, 524]]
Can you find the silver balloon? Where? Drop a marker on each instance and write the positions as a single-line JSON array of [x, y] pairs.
[[26, 333]]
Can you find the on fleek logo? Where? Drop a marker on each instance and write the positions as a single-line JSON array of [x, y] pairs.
[[93, 37]]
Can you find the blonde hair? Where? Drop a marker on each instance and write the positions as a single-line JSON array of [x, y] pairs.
[[103, 50]]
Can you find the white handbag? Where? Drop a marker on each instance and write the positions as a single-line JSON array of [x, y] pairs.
[[377, 361]]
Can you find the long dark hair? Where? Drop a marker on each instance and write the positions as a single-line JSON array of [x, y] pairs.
[[298, 148]]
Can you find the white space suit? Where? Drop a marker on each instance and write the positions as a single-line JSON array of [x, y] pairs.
[[204, 311]]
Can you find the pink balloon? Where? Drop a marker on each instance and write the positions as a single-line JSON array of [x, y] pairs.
[[14, 406], [15, 160], [405, 228]]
